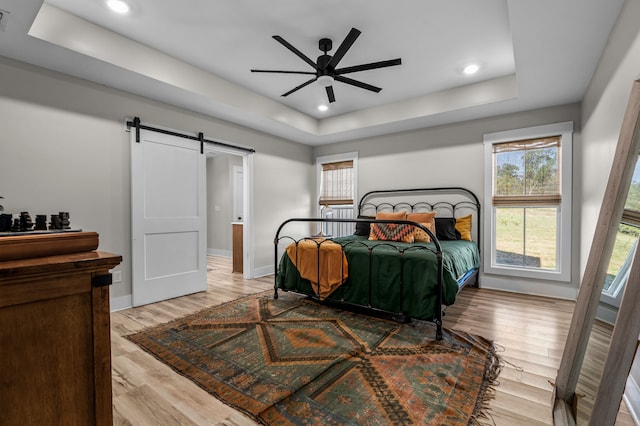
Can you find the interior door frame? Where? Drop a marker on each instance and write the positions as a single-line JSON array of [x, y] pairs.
[[247, 204]]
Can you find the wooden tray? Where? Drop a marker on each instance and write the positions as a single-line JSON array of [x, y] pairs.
[[42, 245]]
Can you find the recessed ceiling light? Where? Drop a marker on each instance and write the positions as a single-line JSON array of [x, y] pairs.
[[118, 6], [323, 107], [471, 69]]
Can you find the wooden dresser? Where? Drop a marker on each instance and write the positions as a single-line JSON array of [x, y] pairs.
[[55, 346]]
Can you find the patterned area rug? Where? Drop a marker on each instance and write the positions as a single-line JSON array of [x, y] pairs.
[[292, 361]]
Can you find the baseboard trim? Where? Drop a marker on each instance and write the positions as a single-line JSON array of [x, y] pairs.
[[219, 252], [607, 313], [535, 288], [263, 271], [122, 302]]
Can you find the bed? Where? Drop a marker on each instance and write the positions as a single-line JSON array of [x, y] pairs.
[[379, 266]]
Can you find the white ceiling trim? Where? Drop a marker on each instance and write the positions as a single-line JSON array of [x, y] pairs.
[[66, 30], [56, 26], [477, 94]]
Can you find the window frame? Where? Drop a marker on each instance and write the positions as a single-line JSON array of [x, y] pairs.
[[564, 223], [336, 158], [613, 295]]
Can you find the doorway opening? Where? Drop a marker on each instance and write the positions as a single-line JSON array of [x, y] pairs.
[[228, 175]]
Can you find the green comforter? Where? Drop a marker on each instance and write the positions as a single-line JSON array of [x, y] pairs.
[[399, 283]]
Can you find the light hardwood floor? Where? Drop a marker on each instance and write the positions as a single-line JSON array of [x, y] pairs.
[[529, 331]]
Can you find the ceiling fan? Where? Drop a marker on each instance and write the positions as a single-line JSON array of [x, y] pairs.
[[325, 67]]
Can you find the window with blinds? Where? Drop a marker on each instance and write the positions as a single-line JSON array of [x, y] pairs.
[[526, 195], [336, 183], [528, 178]]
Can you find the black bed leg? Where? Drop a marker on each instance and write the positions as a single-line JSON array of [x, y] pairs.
[[438, 330], [275, 292]]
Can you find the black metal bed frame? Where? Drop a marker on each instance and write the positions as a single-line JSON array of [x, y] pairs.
[[472, 203]]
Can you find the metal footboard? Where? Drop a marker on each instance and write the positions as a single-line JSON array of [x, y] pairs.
[[398, 314]]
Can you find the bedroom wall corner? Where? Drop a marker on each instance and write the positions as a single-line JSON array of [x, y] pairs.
[[284, 190]]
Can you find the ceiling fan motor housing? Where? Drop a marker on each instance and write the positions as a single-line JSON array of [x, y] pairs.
[[325, 45], [322, 62]]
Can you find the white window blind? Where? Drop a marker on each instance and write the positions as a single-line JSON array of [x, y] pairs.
[[527, 172], [336, 183]]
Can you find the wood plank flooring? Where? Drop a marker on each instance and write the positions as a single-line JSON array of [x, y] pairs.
[[529, 331]]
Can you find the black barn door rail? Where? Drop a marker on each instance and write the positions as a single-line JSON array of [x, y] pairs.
[[200, 138]]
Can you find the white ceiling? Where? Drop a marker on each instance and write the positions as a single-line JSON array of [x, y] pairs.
[[532, 54]]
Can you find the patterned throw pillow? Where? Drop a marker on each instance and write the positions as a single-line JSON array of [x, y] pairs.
[[426, 220], [391, 231]]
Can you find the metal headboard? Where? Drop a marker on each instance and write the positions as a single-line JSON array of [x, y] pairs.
[[373, 202]]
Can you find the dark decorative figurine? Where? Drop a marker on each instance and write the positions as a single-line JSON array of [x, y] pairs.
[[41, 222], [64, 219], [5, 222], [60, 221], [25, 222], [55, 222]]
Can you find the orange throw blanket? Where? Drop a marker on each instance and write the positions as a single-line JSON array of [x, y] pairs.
[[333, 264]]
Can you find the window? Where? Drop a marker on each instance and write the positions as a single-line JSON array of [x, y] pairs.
[[625, 244], [337, 190], [528, 178], [336, 183]]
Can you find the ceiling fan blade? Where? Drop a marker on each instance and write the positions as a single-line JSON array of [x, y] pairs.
[[286, 72], [346, 45], [299, 87], [330, 94], [301, 55], [357, 83], [370, 66]]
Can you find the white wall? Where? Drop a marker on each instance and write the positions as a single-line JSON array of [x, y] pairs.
[[63, 147], [277, 184], [452, 155]]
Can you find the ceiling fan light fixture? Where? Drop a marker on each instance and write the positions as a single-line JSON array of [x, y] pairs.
[[325, 80], [323, 107]]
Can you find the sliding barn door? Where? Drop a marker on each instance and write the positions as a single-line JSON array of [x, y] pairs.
[[168, 222]]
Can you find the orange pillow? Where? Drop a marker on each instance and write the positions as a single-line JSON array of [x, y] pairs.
[[392, 215], [463, 225], [425, 219], [391, 231]]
